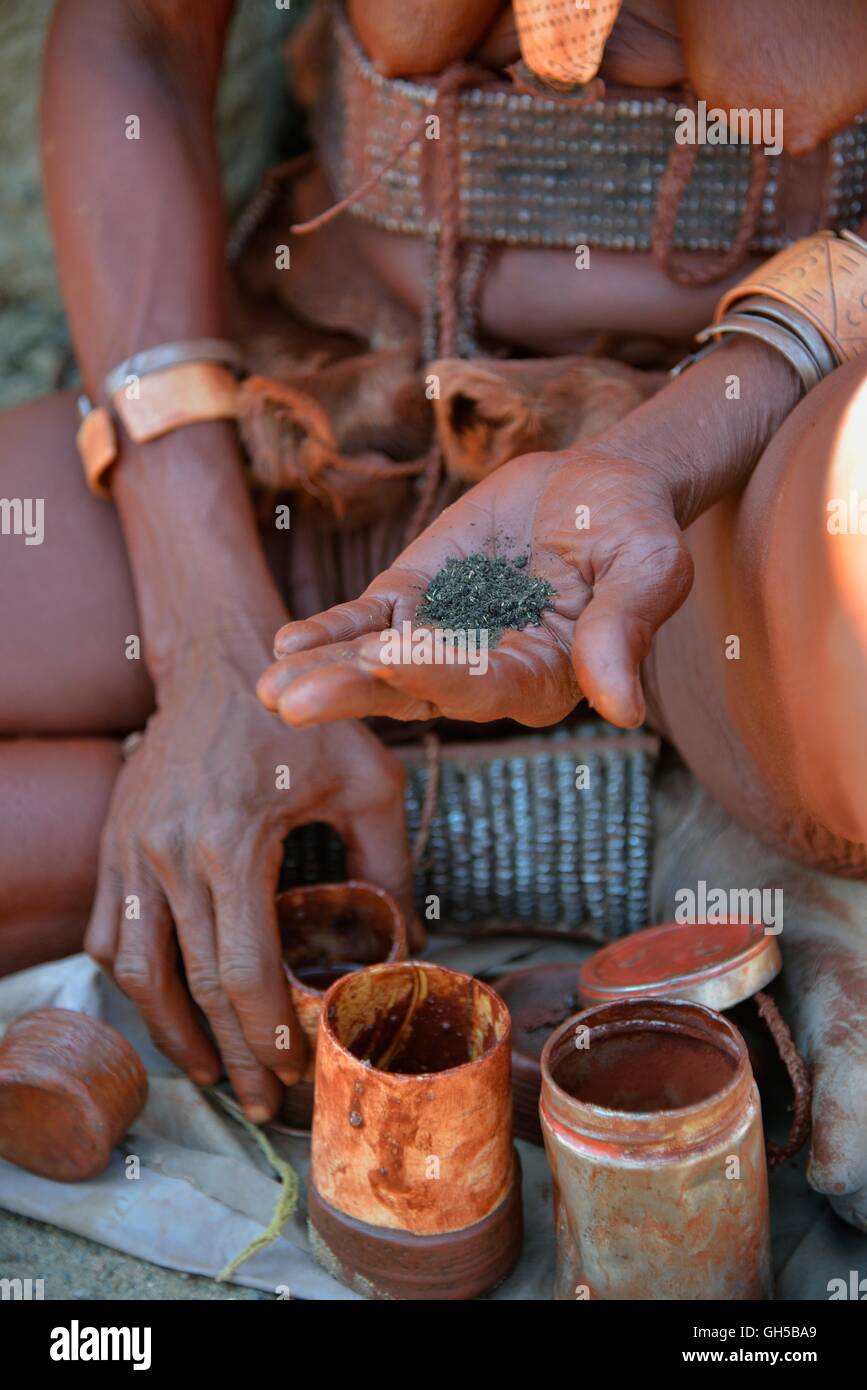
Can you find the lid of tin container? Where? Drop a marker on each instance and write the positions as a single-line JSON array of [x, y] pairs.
[[717, 965]]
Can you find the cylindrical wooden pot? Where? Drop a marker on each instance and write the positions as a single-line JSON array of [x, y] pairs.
[[653, 1131], [539, 999], [327, 931], [70, 1087], [414, 1184]]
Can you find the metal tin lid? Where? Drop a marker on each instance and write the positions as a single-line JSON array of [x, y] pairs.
[[716, 965]]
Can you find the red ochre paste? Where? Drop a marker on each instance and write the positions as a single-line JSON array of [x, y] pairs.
[[644, 1069]]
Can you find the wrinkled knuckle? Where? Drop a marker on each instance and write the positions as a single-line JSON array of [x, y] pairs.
[[133, 973], [665, 565], [110, 871], [111, 876], [205, 987], [243, 979], [157, 843]]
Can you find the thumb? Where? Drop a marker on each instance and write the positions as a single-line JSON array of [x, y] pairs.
[[612, 637]]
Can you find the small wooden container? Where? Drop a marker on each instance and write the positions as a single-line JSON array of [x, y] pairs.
[[70, 1087], [414, 1184], [327, 931]]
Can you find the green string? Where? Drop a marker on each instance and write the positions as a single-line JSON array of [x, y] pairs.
[[287, 1200]]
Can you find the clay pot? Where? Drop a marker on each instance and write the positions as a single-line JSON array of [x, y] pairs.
[[539, 999], [414, 1184], [653, 1131], [70, 1087], [326, 931]]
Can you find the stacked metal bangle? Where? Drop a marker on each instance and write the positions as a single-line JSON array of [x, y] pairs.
[[157, 359], [781, 328]]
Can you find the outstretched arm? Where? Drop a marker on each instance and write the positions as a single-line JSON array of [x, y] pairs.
[[601, 523]]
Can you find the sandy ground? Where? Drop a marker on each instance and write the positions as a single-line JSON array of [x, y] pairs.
[[73, 1268]]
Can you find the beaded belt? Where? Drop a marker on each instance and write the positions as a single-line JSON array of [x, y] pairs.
[[512, 839], [537, 172]]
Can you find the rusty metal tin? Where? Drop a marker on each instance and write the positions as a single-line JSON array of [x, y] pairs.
[[653, 1132], [326, 930], [414, 1186], [716, 965]]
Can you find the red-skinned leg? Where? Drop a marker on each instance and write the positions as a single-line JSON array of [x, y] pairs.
[[68, 611], [759, 681], [54, 796], [69, 603]]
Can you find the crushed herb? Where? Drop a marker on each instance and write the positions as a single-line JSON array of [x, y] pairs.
[[485, 592]]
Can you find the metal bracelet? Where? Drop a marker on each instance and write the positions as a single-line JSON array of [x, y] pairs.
[[761, 306], [848, 235], [786, 339], [785, 342], [693, 357], [171, 355]]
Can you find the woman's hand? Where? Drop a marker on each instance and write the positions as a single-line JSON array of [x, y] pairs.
[[600, 528], [184, 913], [602, 524]]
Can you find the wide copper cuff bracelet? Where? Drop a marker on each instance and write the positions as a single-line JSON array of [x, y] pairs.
[[173, 388], [823, 280]]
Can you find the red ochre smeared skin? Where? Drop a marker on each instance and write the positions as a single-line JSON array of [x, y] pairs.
[[777, 737], [70, 1087]]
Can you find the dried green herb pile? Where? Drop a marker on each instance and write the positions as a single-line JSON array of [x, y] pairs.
[[485, 591]]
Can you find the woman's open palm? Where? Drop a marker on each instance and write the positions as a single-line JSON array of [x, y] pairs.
[[599, 528]]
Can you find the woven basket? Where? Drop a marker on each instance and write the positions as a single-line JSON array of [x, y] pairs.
[[513, 840]]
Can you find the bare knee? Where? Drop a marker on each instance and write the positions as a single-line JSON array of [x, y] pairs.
[[63, 649], [54, 796], [759, 678], [802, 526]]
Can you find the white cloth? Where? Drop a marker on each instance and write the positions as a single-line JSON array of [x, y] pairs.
[[205, 1190]]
